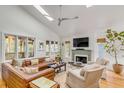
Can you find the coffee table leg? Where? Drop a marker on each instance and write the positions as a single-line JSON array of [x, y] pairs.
[[65, 67], [59, 68]]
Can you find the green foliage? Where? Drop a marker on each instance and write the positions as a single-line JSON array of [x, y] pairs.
[[113, 37]]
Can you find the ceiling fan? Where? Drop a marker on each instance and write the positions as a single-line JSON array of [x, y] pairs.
[[61, 19]]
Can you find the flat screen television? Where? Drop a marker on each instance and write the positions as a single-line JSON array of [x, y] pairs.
[[81, 42]]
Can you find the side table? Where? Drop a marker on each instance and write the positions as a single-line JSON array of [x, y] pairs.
[[43, 82]]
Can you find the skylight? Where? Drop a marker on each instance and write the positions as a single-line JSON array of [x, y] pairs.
[[43, 12]]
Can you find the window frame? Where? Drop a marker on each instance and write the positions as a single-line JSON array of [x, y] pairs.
[[25, 48], [53, 51], [5, 45], [67, 48], [26, 55]]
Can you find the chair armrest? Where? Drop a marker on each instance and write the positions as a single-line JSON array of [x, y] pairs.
[[79, 77], [90, 62], [39, 74]]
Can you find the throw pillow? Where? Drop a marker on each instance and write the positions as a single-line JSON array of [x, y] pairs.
[[19, 68], [30, 70], [34, 70], [88, 67], [20, 63], [93, 66], [47, 59], [14, 62], [34, 61], [27, 70], [26, 63]]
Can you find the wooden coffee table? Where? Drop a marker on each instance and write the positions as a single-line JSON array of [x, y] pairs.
[[43, 82], [58, 66]]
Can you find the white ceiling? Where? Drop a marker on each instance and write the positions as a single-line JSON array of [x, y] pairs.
[[90, 19]]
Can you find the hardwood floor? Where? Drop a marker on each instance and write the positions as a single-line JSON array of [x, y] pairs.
[[2, 84], [113, 80]]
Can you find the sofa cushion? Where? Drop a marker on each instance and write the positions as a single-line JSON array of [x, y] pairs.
[[88, 67], [42, 65], [26, 63], [75, 72], [92, 66], [20, 62], [34, 61], [30, 70], [41, 60]]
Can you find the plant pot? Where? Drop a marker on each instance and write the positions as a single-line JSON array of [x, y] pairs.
[[117, 68]]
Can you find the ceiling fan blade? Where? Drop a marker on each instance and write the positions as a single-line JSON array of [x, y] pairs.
[[69, 18], [76, 17], [59, 21], [63, 19]]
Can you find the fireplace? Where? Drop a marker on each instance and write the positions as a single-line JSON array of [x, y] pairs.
[[81, 58]]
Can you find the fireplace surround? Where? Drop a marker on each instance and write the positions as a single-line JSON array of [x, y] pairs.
[[81, 58], [85, 53]]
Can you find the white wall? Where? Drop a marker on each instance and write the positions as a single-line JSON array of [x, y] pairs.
[[101, 33], [83, 34], [93, 45], [15, 20], [0, 47]]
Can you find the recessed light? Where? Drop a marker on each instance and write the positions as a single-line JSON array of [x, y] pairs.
[[88, 6]]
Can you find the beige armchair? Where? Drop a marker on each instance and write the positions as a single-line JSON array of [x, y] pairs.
[[90, 79], [104, 62]]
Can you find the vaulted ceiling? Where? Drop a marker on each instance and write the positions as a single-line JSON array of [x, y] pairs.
[[90, 19]]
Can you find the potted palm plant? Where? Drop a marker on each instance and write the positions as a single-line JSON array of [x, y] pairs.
[[113, 45]]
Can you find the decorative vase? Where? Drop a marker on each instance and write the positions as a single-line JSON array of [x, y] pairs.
[[117, 68]]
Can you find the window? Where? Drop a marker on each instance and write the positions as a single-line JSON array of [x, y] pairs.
[[31, 47], [10, 47], [67, 48], [52, 46], [18, 47], [56, 47], [47, 48], [101, 50], [41, 46], [21, 47]]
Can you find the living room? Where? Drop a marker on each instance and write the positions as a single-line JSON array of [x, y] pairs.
[[61, 41]]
